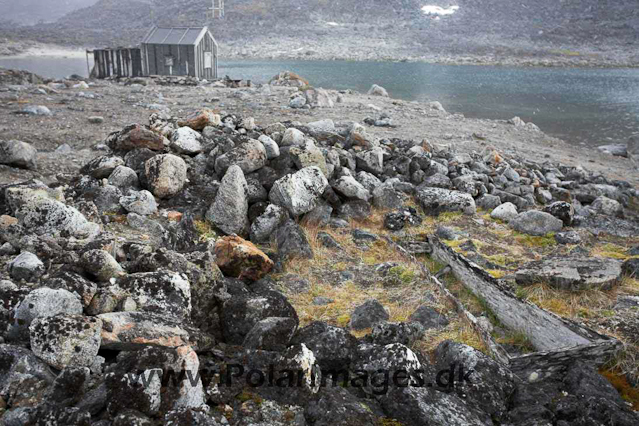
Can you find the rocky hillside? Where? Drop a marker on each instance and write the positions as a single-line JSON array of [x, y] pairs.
[[211, 268], [29, 12], [568, 27]]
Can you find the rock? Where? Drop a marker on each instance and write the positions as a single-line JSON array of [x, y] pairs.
[[299, 192], [229, 211], [571, 273], [334, 347], [142, 203], [66, 340], [162, 292], [24, 379], [271, 147], [367, 315], [428, 317], [249, 157], [488, 202], [569, 237], [95, 119], [491, 385], [26, 267], [42, 302], [561, 210], [186, 141], [618, 150], [136, 136], [319, 216], [307, 155], [18, 154], [536, 223], [631, 268], [360, 235], [126, 331], [292, 137], [437, 200], [124, 177], [291, 243], [350, 188], [242, 312], [504, 212], [358, 136], [263, 227], [241, 259], [376, 90], [289, 79], [403, 333], [102, 167], [358, 210], [297, 101], [371, 161], [606, 206], [386, 197], [336, 406], [271, 334], [325, 239], [326, 125], [101, 265], [198, 120], [165, 174], [318, 98]]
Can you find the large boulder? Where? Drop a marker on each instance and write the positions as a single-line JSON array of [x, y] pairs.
[[136, 136], [536, 223], [371, 161], [162, 292], [165, 174], [229, 211], [241, 259], [42, 302], [299, 192], [139, 202], [101, 167], [242, 312], [607, 206], [367, 315], [26, 266], [571, 273], [249, 157], [186, 141], [200, 119], [334, 347], [438, 200], [505, 212], [263, 227], [18, 154], [291, 242], [66, 340], [351, 188], [307, 155], [271, 334]]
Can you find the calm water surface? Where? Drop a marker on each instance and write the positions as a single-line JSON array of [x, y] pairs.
[[582, 106]]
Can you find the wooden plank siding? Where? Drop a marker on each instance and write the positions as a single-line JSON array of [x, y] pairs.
[[121, 62]]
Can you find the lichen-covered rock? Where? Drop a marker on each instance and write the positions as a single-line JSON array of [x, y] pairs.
[[124, 177], [18, 154], [26, 267], [367, 315], [428, 317], [336, 406], [242, 312], [129, 331], [536, 223], [334, 347], [239, 258], [42, 302], [351, 188], [358, 210], [101, 265], [505, 212], [42, 215], [165, 174], [229, 211], [562, 210], [371, 161], [102, 167], [292, 137], [571, 273], [249, 157], [299, 192], [271, 334], [291, 242], [139, 202], [162, 292], [490, 385], [186, 141], [263, 227], [66, 340], [438, 200], [607, 206], [134, 137], [404, 333], [308, 155]]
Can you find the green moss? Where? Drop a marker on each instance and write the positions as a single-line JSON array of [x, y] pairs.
[[517, 339], [205, 230], [343, 320], [533, 241], [404, 275], [248, 396], [385, 421]]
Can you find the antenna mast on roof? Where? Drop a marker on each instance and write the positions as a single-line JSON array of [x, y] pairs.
[[217, 10]]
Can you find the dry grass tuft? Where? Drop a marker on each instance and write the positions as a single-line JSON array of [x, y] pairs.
[[583, 304]]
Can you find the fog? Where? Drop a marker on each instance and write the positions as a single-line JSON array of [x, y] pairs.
[[29, 12]]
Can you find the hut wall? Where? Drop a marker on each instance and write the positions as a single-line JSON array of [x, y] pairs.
[[125, 62]]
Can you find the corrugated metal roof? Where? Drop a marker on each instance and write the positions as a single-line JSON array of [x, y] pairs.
[[177, 35]]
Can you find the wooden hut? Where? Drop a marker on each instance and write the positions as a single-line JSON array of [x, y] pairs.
[[180, 51], [116, 62]]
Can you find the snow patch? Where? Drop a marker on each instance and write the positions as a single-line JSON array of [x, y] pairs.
[[439, 11]]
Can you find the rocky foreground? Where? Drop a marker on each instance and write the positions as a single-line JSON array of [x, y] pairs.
[[262, 256]]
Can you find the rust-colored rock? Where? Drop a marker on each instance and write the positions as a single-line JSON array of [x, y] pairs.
[[200, 119], [174, 216], [136, 136], [239, 258]]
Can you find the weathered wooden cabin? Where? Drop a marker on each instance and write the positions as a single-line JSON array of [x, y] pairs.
[[180, 51], [116, 62]]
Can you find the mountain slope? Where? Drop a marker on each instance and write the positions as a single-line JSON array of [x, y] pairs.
[[29, 12]]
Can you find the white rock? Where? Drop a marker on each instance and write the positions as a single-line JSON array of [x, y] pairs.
[[186, 141], [299, 192], [505, 212]]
